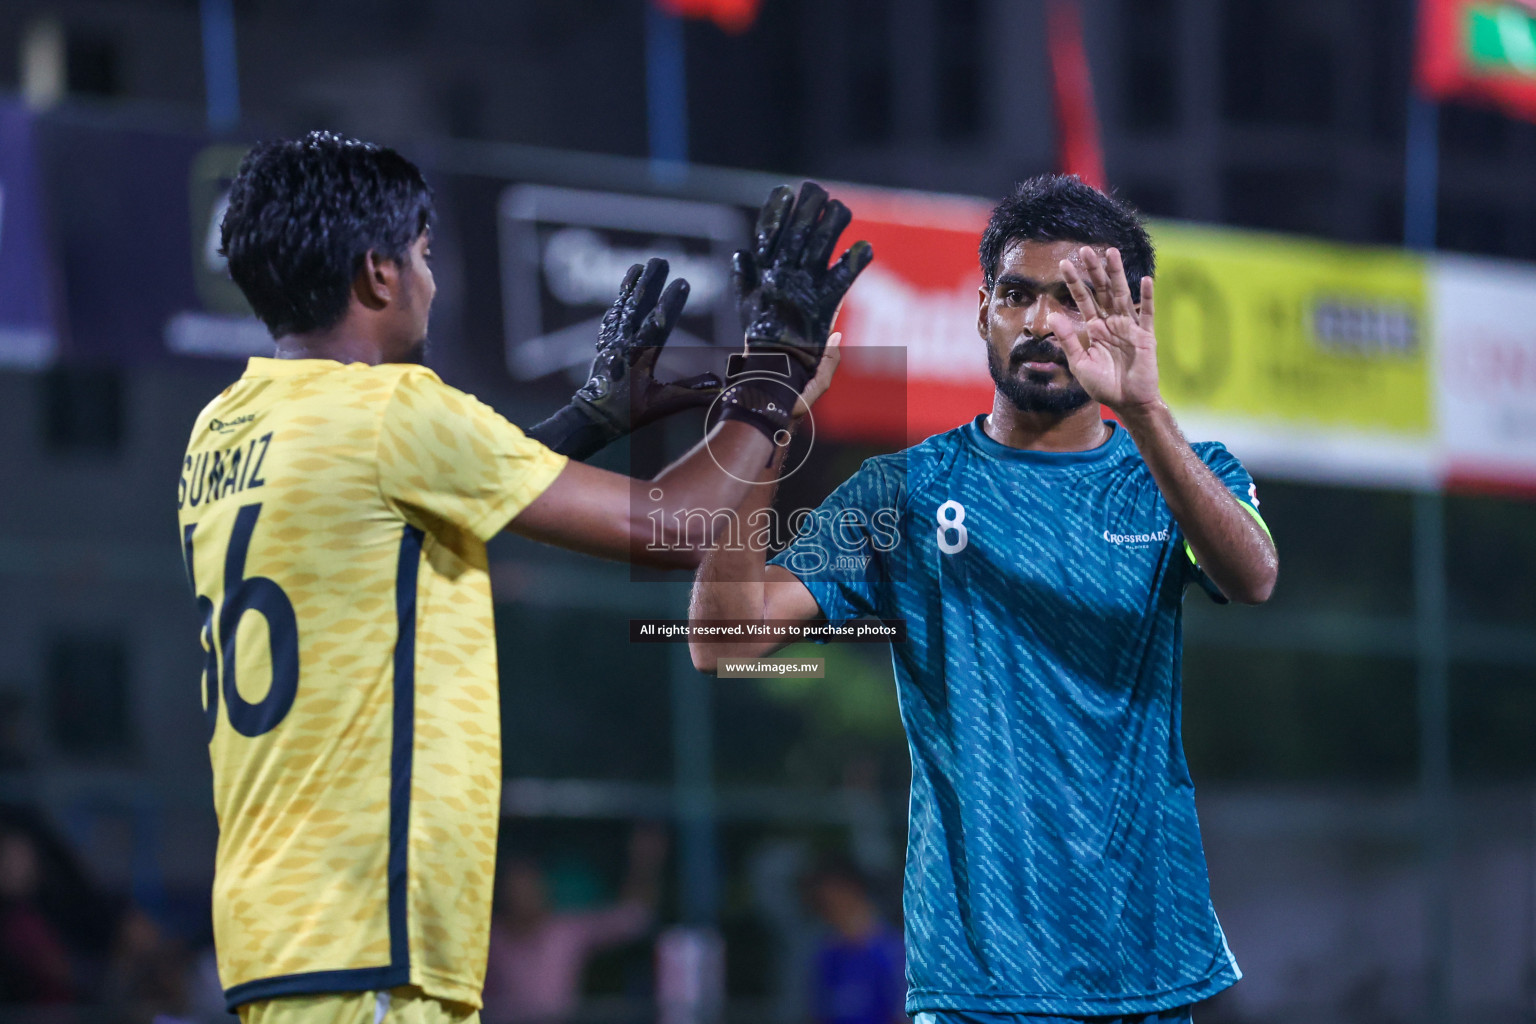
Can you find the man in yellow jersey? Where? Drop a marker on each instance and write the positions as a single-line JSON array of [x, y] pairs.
[[334, 507]]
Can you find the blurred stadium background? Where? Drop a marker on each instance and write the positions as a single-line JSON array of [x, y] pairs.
[[1343, 202]]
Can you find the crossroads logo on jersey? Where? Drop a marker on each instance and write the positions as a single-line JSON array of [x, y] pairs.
[[1135, 538]]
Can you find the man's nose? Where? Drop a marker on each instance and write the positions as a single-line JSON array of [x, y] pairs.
[[1036, 316]]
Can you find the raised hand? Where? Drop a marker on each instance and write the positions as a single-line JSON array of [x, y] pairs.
[[1113, 350], [621, 393], [786, 294], [788, 298], [622, 387]]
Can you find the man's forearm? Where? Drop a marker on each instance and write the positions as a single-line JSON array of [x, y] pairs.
[[720, 471], [729, 583], [703, 488], [1233, 549], [667, 522]]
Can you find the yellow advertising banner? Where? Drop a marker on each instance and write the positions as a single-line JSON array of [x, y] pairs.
[[1293, 332]]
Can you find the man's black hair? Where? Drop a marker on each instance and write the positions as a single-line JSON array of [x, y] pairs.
[[1061, 208], [303, 214]]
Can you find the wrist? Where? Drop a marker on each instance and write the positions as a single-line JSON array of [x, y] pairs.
[[576, 430], [599, 416], [765, 425], [1142, 413], [767, 363]]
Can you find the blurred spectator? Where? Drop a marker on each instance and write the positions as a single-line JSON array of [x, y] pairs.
[[776, 874], [858, 973], [147, 976], [538, 954], [34, 964], [15, 740], [82, 917], [205, 993]]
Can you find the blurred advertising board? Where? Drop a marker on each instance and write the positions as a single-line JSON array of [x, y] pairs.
[[1485, 325], [28, 328], [1311, 359], [565, 251], [132, 211], [918, 299], [1480, 50], [220, 324]]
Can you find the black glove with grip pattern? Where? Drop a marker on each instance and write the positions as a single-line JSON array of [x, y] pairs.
[[621, 394], [787, 297]]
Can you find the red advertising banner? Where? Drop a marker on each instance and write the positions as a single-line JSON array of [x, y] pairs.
[[1078, 149], [914, 364], [1482, 50], [734, 16]]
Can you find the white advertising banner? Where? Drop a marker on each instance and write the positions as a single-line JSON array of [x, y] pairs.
[[1485, 334]]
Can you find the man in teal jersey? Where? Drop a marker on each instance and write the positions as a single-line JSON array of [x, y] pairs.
[[1039, 555]]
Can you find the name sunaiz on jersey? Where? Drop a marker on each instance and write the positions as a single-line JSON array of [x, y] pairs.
[[211, 475]]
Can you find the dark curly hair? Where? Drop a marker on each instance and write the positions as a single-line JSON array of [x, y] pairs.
[[303, 213], [1061, 208]]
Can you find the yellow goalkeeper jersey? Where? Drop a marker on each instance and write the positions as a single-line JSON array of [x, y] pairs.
[[333, 520]]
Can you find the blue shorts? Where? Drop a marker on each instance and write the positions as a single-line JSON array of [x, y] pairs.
[[1177, 1015]]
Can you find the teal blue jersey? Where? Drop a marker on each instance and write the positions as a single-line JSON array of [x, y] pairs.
[[1054, 863]]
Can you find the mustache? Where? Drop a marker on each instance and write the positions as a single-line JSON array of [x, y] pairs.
[[1037, 350]]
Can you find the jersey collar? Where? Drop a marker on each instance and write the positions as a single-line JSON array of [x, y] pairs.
[[263, 366], [976, 434]]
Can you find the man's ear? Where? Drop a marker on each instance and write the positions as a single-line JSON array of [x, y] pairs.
[[981, 311], [377, 282]]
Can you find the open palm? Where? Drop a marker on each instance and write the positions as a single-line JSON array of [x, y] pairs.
[[1113, 351]]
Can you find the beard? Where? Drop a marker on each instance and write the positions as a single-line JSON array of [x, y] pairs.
[[418, 352], [1034, 392]]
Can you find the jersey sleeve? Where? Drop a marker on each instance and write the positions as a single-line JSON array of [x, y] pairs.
[[448, 458], [844, 548], [1231, 472]]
